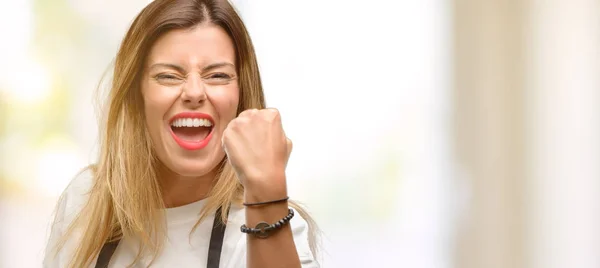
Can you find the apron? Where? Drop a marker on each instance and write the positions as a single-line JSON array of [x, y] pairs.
[[214, 248]]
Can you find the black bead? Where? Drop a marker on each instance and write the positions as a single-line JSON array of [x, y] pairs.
[[263, 229]]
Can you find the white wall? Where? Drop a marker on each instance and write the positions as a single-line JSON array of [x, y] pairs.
[[363, 88]]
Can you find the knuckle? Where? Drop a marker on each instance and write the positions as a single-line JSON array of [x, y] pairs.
[[248, 112], [274, 111], [226, 131], [225, 137], [272, 114], [232, 125], [241, 122]]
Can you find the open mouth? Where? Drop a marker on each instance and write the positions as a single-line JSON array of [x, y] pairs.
[[192, 131]]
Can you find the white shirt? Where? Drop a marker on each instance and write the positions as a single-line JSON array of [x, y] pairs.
[[180, 249]]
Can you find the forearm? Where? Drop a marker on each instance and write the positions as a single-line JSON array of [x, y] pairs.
[[278, 250]]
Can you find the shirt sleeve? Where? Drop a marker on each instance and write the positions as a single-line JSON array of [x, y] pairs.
[[52, 257], [301, 233], [67, 208]]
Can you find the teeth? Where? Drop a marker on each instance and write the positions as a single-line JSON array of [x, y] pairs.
[[191, 122]]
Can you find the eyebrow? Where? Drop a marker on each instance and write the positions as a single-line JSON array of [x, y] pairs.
[[217, 65], [182, 70]]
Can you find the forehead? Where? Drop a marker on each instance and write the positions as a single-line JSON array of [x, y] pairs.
[[200, 45]]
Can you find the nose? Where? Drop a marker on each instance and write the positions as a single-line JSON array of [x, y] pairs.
[[194, 91]]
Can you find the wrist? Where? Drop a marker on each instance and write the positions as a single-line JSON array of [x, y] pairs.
[[265, 189], [269, 214]]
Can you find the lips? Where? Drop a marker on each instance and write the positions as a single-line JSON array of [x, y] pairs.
[[191, 131]]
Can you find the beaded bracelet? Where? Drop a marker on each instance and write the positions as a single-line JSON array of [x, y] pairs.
[[264, 230]]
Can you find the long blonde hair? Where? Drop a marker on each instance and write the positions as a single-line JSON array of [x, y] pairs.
[[126, 193]]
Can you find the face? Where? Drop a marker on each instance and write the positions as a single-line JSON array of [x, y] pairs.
[[190, 93]]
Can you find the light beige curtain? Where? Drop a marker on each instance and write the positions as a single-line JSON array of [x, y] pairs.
[[527, 132]]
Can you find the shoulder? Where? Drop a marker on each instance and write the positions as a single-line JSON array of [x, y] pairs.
[[68, 207], [74, 196], [80, 185]]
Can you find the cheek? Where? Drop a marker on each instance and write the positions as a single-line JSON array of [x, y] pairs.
[[225, 102], [157, 101]]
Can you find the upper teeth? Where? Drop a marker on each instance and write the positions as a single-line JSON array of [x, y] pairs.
[[191, 122]]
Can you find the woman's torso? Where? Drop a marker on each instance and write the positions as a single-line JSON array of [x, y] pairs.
[[182, 248]]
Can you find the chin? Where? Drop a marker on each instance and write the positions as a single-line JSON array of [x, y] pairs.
[[192, 168], [190, 163]]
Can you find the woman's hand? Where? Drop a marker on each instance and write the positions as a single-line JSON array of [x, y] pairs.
[[258, 150]]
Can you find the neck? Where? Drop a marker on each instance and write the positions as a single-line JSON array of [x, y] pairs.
[[180, 190]]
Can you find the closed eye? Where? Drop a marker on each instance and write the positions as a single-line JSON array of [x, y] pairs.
[[167, 77], [220, 76]]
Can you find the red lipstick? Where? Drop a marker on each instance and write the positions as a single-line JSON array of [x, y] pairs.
[[189, 144]]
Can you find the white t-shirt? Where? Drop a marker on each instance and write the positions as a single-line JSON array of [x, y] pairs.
[[180, 249]]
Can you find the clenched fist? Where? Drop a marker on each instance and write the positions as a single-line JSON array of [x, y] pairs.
[[258, 149]]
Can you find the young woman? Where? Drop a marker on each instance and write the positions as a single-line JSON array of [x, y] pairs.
[[191, 171]]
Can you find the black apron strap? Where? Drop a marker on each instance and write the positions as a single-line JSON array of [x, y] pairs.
[[216, 241], [214, 248], [105, 253]]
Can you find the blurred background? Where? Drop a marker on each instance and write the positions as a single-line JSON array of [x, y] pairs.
[[430, 133]]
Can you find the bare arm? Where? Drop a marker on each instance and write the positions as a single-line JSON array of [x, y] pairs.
[[258, 150], [278, 250]]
